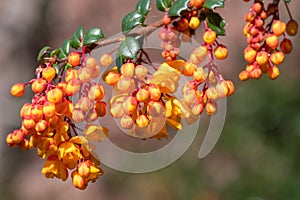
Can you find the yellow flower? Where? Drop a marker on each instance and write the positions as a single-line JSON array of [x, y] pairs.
[[69, 153], [95, 171], [78, 181], [47, 147], [166, 78], [55, 168]]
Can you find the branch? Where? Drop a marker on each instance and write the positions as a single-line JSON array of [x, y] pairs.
[[147, 30]]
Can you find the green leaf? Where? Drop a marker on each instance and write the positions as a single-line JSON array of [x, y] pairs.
[[54, 52], [92, 35], [77, 38], [64, 49], [42, 53], [68, 66], [143, 7], [212, 4], [216, 22], [56, 67], [128, 49], [178, 7], [288, 1], [132, 20], [119, 60], [162, 5]]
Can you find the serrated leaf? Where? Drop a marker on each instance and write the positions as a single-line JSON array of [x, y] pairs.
[[143, 7], [131, 20], [64, 49], [212, 4], [77, 38], [178, 7], [216, 23], [92, 35], [54, 52], [42, 52], [162, 5]]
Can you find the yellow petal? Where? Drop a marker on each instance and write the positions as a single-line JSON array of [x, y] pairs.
[[95, 133], [173, 123]]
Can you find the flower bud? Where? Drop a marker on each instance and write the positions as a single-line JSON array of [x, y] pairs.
[[278, 27], [84, 75], [49, 73], [292, 27], [100, 107], [49, 109], [17, 90], [272, 41], [126, 122], [142, 121], [105, 60], [71, 74], [73, 87], [209, 37], [141, 71], [90, 63], [96, 92], [221, 52], [277, 57], [38, 85], [211, 108], [142, 95], [112, 78], [74, 59], [127, 70]]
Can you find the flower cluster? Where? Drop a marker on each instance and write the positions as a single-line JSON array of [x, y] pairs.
[[144, 100], [48, 122], [266, 49]]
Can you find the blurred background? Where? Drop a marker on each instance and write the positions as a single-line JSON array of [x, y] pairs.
[[256, 158]]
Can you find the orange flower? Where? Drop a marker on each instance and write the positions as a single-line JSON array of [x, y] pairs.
[[69, 153], [55, 168]]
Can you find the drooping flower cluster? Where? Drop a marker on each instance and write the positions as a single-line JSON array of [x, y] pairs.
[[48, 122], [267, 40]]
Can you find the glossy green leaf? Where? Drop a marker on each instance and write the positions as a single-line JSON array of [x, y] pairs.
[[162, 5], [77, 38], [216, 23], [129, 48], [64, 49], [54, 52], [212, 4], [143, 7], [132, 20], [178, 7], [42, 52], [92, 35]]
